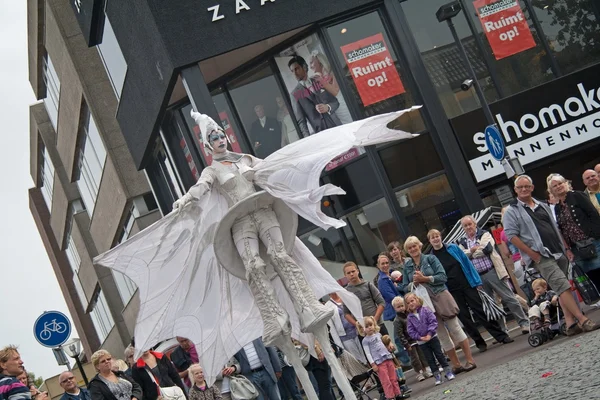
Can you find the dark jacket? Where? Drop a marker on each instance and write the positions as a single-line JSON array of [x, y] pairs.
[[466, 265], [168, 374], [84, 394], [583, 212], [388, 291], [269, 136], [100, 391], [401, 330], [305, 101], [181, 359], [267, 355]]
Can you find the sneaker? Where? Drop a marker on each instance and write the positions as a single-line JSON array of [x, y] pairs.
[[449, 375], [421, 377], [438, 378], [405, 389], [402, 396], [427, 374], [507, 340], [428, 371], [482, 347]]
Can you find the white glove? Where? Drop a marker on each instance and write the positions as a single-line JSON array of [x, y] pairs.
[[185, 199]]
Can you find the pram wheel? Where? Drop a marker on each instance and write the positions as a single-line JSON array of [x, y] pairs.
[[535, 339]]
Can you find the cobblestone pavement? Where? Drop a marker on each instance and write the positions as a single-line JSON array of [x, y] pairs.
[[562, 368]]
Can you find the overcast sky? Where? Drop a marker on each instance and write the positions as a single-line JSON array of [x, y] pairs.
[[29, 286]]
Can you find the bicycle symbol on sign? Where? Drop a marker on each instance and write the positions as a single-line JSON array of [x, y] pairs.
[[49, 327]]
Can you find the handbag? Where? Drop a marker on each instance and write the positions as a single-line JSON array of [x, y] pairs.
[[444, 303], [167, 393], [303, 354], [585, 249], [586, 288], [241, 388]]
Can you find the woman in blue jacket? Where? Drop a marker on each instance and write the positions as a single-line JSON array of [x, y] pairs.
[[386, 286], [463, 282]]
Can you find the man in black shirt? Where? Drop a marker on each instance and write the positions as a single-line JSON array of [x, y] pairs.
[[529, 225]]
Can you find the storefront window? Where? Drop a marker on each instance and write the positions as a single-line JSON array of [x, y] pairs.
[[229, 126], [572, 29], [370, 230], [358, 180], [401, 164], [327, 247], [259, 104], [372, 70], [429, 205]]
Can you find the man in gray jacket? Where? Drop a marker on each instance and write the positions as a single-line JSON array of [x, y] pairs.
[[529, 225]]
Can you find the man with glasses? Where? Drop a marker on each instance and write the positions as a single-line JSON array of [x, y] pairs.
[[528, 224], [68, 382], [592, 186]]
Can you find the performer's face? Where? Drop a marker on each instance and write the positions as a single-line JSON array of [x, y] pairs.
[[218, 141]]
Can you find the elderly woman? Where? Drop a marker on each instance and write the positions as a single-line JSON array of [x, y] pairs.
[[426, 270], [463, 283], [110, 385], [386, 286], [577, 221], [155, 369]]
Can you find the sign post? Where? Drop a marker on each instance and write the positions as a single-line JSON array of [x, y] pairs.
[[52, 329]]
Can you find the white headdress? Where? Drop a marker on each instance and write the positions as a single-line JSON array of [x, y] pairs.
[[207, 126]]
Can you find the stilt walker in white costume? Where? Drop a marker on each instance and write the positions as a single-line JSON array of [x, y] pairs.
[[234, 250]]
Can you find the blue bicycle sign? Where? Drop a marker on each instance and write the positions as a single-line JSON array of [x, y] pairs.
[[52, 329]]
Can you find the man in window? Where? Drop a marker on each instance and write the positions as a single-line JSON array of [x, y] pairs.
[[265, 133], [311, 101]]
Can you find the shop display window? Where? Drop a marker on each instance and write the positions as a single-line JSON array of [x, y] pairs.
[[258, 102], [371, 69]]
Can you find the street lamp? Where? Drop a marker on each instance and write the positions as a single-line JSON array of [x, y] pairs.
[[512, 165], [73, 350]]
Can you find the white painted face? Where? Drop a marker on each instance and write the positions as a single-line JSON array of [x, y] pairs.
[[218, 141]]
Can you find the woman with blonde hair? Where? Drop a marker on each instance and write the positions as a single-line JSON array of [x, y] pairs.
[[323, 74], [200, 389], [579, 225], [111, 385], [426, 270]]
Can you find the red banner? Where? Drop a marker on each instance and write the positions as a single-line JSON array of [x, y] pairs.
[[372, 68], [505, 26]]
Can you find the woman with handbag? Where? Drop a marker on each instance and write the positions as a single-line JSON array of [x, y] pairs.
[[579, 224], [110, 385], [424, 271], [463, 283], [157, 376]]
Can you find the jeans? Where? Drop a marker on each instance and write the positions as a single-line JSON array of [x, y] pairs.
[[265, 385], [402, 354], [491, 284], [287, 385], [433, 351]]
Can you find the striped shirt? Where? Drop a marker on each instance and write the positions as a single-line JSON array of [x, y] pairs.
[[12, 389], [252, 356]]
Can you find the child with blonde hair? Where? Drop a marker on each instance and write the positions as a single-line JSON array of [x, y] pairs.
[[380, 358], [422, 327]]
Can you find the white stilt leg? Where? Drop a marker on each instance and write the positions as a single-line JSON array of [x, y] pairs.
[[284, 343], [336, 369]]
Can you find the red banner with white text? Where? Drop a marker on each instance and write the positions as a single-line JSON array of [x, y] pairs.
[[505, 26], [372, 68]]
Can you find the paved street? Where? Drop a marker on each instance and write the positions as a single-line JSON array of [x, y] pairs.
[[563, 367]]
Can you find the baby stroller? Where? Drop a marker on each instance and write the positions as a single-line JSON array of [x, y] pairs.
[[541, 333]]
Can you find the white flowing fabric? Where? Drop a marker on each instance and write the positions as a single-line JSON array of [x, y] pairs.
[[185, 292]]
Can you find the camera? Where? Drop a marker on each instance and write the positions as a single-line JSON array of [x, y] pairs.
[[466, 85]]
